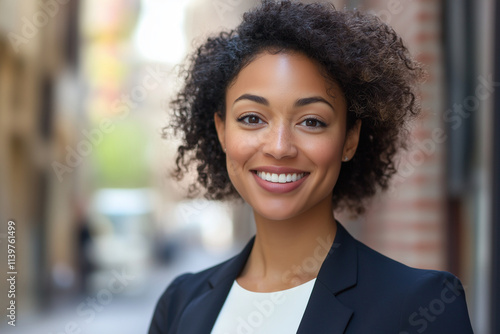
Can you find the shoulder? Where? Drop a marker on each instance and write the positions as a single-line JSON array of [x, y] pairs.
[[435, 302], [164, 314], [379, 269], [179, 293], [383, 270], [185, 288], [424, 300]]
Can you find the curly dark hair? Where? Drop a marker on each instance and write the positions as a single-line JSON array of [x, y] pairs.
[[357, 51]]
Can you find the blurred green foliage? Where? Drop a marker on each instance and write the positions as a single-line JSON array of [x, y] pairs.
[[120, 160]]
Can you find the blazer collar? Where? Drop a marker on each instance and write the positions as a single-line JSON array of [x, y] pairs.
[[340, 268], [324, 312]]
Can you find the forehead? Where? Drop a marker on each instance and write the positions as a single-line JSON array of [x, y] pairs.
[[283, 74]]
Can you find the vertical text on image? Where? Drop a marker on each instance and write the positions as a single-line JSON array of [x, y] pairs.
[[11, 272]]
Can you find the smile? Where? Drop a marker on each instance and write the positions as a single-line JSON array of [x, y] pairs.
[[280, 178]]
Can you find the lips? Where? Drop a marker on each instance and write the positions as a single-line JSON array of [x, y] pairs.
[[279, 179]]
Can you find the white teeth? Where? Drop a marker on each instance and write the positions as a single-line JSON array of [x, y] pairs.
[[280, 178]]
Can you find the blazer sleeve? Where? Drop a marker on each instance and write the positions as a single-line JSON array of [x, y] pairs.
[[435, 305], [167, 308]]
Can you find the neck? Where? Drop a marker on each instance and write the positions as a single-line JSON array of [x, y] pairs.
[[289, 252]]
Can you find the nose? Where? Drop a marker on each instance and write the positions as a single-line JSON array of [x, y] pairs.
[[279, 142]]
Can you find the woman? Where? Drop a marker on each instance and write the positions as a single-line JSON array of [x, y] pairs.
[[300, 111]]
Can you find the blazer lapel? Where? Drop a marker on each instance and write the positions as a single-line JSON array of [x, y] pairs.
[[200, 315], [324, 312]]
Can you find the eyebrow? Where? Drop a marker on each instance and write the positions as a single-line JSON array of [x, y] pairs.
[[311, 100], [254, 98], [299, 103]]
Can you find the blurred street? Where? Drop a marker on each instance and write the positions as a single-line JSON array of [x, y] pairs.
[[129, 312]]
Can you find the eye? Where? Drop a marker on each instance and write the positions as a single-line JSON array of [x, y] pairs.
[[313, 123], [250, 119]]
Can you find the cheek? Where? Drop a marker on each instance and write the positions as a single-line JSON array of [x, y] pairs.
[[239, 150], [326, 153]]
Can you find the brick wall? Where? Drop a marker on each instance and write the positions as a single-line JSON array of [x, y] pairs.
[[408, 222]]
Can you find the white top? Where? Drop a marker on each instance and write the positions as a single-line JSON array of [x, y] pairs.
[[247, 312]]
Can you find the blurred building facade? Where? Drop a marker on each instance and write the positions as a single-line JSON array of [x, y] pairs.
[[39, 93]]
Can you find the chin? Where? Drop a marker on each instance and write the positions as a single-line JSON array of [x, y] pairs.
[[276, 212], [274, 216]]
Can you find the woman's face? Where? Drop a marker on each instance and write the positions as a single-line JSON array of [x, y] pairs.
[[284, 135]]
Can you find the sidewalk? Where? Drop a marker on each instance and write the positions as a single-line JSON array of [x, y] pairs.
[[125, 314]]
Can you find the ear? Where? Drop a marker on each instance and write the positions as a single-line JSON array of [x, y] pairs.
[[351, 142], [220, 126]]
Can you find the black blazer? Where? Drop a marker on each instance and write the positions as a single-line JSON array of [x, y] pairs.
[[357, 291]]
